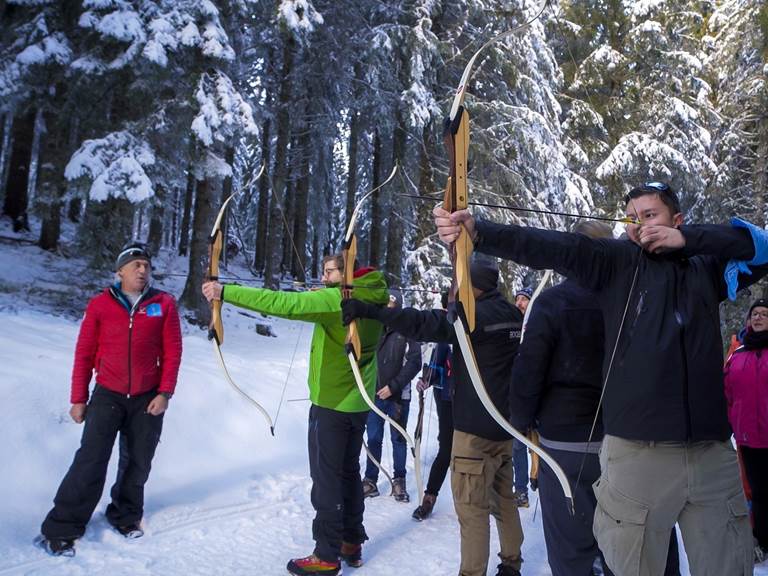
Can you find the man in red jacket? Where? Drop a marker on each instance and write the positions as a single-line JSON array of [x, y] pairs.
[[130, 338]]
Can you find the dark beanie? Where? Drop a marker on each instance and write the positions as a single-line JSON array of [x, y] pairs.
[[762, 303], [130, 252], [396, 296], [484, 274]]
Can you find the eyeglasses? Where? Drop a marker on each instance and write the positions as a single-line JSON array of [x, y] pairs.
[[327, 271], [757, 315]]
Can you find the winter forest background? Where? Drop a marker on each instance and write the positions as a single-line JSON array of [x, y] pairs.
[[135, 119]]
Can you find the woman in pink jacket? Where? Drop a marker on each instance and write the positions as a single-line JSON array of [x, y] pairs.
[[746, 389]]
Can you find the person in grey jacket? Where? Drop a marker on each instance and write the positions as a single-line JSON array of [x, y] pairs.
[[398, 361]]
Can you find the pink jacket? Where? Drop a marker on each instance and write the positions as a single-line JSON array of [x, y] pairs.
[[746, 390]]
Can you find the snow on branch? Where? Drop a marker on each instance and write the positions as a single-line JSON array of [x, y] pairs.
[[115, 165], [223, 112], [299, 16]]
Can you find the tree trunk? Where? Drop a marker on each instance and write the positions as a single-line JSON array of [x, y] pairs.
[[374, 240], [53, 186], [760, 170], [395, 232], [426, 185], [315, 266], [15, 204], [189, 198], [208, 193], [171, 231], [155, 235], [106, 227], [226, 190], [354, 130], [5, 150], [301, 205], [283, 128], [285, 222], [262, 218]]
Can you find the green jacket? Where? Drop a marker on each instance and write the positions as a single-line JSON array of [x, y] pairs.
[[331, 382]]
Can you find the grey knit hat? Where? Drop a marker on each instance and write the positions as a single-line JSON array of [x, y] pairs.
[[132, 251]]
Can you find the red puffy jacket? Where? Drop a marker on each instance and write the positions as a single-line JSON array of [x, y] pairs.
[[131, 353]]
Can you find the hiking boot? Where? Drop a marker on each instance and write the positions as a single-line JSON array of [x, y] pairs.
[[424, 510], [130, 531], [312, 566], [398, 490], [521, 499], [56, 546], [504, 570], [370, 490], [352, 554]]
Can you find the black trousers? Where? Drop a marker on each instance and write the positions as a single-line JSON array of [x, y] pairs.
[[335, 441], [108, 413], [444, 440], [571, 545], [756, 468]]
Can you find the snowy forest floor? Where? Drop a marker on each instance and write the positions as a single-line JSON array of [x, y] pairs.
[[224, 496]]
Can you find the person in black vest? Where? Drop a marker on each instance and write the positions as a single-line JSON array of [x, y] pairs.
[[481, 462]]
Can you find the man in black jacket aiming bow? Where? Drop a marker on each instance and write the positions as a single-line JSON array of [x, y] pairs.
[[666, 455]]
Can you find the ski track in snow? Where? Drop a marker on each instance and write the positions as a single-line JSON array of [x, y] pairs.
[[224, 497]]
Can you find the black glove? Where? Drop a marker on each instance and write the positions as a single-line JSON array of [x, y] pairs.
[[352, 309]]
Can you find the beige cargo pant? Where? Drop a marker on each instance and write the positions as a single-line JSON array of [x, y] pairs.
[[646, 487], [482, 483]]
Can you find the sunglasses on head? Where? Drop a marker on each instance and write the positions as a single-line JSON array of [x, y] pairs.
[[660, 186], [135, 249]]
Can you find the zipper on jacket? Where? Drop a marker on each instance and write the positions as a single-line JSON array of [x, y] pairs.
[[131, 312], [130, 335], [680, 320]]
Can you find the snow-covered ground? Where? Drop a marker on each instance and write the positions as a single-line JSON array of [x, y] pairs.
[[224, 496]]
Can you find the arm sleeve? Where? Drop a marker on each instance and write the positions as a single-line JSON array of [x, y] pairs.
[[85, 354], [591, 262], [421, 325], [319, 306], [410, 368], [723, 242], [529, 372], [171, 359]]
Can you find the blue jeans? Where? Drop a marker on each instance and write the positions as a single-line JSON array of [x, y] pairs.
[[398, 411], [520, 462]]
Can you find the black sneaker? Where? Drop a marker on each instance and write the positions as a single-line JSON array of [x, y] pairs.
[[56, 546], [130, 531], [505, 570], [370, 490]]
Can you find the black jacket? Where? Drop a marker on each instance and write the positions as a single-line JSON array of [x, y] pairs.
[[495, 341], [398, 360], [557, 376], [666, 383]]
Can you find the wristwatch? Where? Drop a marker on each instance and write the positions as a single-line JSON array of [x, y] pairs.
[[168, 395]]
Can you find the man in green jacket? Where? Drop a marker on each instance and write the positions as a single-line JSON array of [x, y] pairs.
[[338, 413]]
